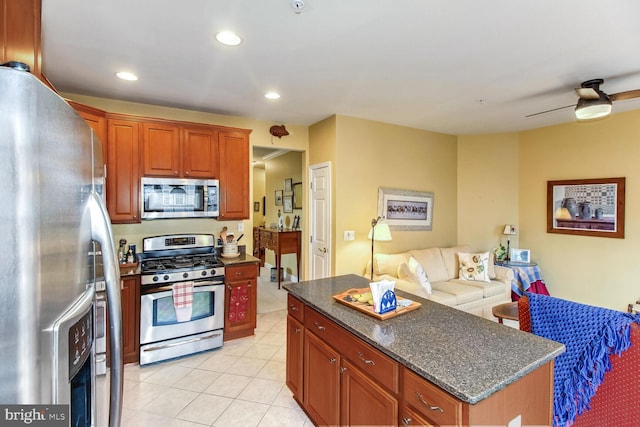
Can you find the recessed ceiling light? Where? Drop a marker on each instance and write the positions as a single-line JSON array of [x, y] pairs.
[[125, 75], [272, 95], [228, 38]]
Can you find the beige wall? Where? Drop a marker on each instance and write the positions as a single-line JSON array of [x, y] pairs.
[[370, 155], [322, 149], [593, 270], [487, 189], [258, 194], [276, 171]]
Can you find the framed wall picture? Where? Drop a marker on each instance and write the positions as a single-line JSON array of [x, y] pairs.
[[278, 197], [587, 207], [406, 209], [288, 184], [287, 204], [297, 195], [520, 256]]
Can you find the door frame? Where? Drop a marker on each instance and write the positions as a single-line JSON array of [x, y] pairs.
[[311, 218]]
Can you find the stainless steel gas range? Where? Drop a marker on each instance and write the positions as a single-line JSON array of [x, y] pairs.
[[182, 297]]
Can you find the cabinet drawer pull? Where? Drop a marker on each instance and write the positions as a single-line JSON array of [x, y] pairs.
[[297, 330], [332, 360], [406, 421], [366, 361], [431, 408], [319, 326], [293, 307]]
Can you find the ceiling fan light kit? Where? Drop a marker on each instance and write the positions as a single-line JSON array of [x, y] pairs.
[[588, 109], [592, 102]]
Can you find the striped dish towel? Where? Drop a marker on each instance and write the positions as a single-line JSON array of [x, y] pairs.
[[183, 300]]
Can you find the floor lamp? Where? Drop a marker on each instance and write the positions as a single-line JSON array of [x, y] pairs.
[[509, 230], [379, 232]]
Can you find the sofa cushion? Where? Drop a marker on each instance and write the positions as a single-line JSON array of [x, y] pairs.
[[414, 272], [489, 289], [463, 293], [431, 260], [388, 263], [450, 259], [474, 266]]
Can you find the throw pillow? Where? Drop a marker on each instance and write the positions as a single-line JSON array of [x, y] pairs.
[[416, 269], [474, 266]]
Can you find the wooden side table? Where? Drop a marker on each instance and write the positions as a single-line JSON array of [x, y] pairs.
[[281, 242], [507, 310]]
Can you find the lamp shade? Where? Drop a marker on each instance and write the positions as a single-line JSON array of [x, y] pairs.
[[509, 230], [382, 232]]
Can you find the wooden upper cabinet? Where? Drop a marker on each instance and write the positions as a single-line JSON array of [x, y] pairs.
[[97, 119], [200, 153], [123, 171], [234, 174], [20, 33], [174, 151], [161, 150]]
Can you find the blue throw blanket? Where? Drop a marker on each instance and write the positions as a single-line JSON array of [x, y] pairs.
[[590, 335]]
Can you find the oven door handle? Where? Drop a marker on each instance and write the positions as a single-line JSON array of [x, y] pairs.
[[168, 288]]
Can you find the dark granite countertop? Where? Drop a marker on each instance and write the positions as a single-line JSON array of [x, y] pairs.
[[243, 258], [466, 355]]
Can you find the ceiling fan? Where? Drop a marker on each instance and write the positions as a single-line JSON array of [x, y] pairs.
[[592, 102]]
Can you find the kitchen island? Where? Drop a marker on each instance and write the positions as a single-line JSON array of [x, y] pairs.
[[432, 366]]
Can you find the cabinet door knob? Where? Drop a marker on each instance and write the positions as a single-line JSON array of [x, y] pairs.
[[332, 360], [297, 330], [293, 307], [406, 421]]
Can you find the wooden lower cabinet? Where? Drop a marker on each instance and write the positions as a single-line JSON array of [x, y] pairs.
[[130, 304], [321, 381], [363, 401], [295, 356], [130, 300], [240, 300], [346, 381]]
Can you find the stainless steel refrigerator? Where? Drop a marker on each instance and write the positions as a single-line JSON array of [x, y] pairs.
[[52, 212]]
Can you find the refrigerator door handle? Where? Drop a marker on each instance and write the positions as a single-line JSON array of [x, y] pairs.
[[101, 233]]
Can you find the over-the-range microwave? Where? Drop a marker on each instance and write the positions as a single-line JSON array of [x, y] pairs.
[[179, 198]]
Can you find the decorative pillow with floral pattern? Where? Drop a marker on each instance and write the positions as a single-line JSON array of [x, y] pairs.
[[474, 266]]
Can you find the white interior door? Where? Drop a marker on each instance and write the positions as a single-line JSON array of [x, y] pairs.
[[320, 221]]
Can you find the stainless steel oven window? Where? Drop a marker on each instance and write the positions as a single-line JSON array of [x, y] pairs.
[[152, 331], [164, 312]]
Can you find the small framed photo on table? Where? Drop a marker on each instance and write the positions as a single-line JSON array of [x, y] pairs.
[[522, 256]]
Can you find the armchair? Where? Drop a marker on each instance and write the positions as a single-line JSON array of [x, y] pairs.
[[596, 380]]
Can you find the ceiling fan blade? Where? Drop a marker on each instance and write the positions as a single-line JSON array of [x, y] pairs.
[[587, 93], [620, 96], [549, 111]]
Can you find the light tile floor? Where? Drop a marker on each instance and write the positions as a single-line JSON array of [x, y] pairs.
[[241, 384]]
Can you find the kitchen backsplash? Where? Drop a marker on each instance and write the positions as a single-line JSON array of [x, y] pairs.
[[134, 233]]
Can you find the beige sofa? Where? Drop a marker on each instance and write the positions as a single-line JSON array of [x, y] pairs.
[[441, 266]]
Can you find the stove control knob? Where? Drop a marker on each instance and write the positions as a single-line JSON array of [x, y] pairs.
[[213, 272], [204, 273], [185, 275], [155, 278], [166, 277]]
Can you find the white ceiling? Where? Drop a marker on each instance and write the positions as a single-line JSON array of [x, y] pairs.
[[452, 66]]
